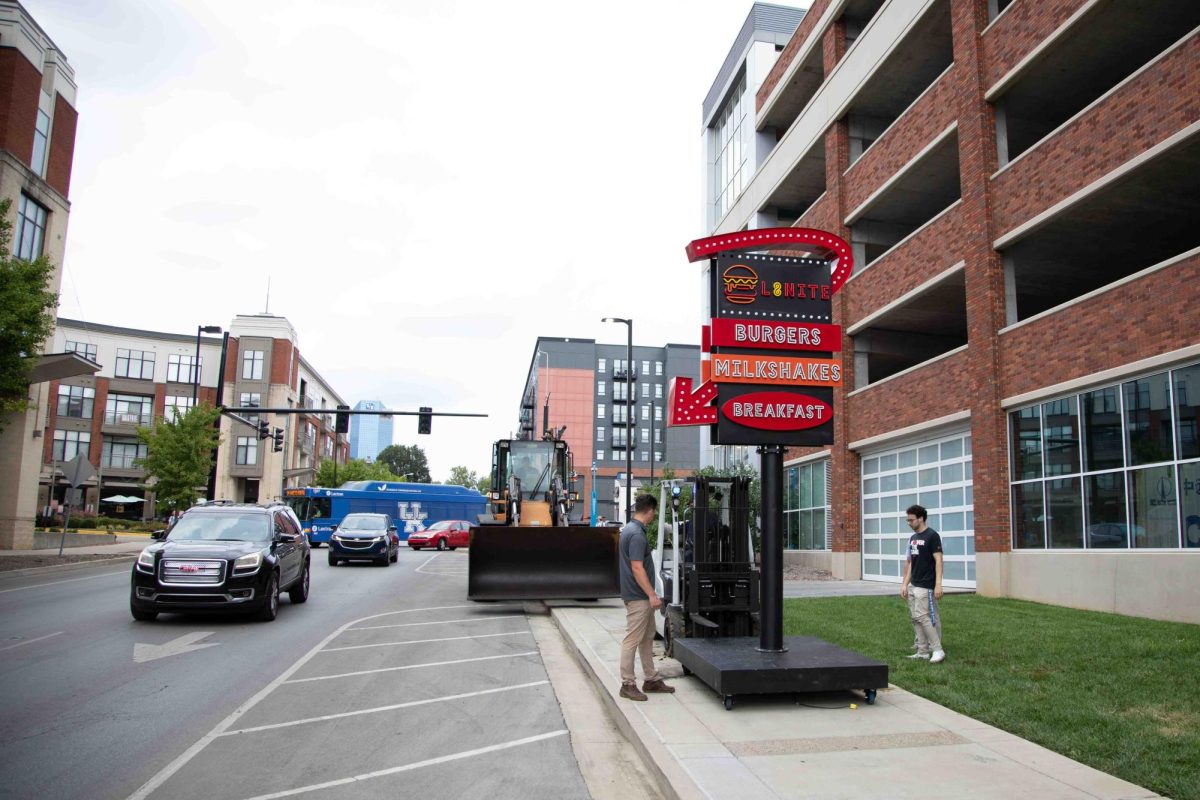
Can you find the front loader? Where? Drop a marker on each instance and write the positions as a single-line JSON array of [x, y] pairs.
[[525, 546]]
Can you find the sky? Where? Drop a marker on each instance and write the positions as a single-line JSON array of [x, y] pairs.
[[426, 187]]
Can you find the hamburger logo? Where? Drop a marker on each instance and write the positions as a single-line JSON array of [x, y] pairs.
[[741, 284]]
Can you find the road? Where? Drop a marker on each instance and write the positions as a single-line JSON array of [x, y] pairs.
[[386, 682]]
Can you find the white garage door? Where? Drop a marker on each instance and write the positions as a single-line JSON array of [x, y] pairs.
[[935, 474]]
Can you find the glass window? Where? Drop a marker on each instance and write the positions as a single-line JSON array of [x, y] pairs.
[[177, 405], [1026, 443], [252, 365], [645, 412], [658, 391], [1153, 508], [1102, 429], [658, 413], [88, 351], [645, 367], [600, 411], [645, 390], [1148, 420], [121, 453], [68, 444], [1105, 495], [128, 409], [76, 401], [600, 388], [41, 141], [599, 433], [247, 451], [1187, 401], [1060, 437], [804, 506], [181, 368], [1065, 517], [31, 229], [600, 362], [729, 141], [1189, 505], [137, 364], [658, 368]]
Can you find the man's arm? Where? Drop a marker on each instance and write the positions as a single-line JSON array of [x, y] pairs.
[[907, 576], [937, 581], [643, 580]]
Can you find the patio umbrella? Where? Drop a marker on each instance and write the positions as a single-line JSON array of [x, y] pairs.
[[121, 498]]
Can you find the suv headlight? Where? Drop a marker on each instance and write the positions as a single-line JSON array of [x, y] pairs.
[[145, 562], [247, 563]]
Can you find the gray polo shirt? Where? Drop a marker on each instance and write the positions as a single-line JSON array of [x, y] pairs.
[[634, 547]]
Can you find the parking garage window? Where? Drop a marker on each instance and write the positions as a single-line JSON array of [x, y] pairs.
[[1115, 468]]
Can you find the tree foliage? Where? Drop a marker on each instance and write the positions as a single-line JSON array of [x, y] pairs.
[[461, 476], [26, 317], [179, 455], [353, 470], [406, 459]]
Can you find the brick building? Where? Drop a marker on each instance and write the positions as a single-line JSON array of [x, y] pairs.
[[1019, 182]]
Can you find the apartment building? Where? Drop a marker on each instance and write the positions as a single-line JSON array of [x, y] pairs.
[[1018, 180], [146, 376], [37, 146], [611, 408]]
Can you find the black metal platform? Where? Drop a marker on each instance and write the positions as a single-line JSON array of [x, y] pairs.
[[734, 666]]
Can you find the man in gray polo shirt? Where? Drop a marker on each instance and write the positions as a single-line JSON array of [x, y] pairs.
[[637, 590]]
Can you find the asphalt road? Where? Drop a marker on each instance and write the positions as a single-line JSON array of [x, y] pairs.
[[386, 683]]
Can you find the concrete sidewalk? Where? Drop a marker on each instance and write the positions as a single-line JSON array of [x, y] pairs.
[[817, 746]]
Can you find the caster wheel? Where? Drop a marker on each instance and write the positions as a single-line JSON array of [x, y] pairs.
[[870, 697], [728, 702]]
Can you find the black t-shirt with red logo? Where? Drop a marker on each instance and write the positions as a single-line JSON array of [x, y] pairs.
[[921, 547]]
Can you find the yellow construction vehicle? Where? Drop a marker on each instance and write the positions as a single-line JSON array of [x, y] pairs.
[[525, 547]]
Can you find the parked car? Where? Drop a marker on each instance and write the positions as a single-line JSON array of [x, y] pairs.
[[223, 557], [364, 537], [445, 535]]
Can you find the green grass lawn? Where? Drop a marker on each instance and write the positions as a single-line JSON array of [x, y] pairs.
[[1120, 694]]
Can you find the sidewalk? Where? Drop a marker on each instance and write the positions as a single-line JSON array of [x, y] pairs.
[[17, 562], [772, 747]]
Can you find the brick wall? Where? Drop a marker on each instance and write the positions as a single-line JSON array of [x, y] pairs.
[[281, 361], [62, 146], [789, 52], [1024, 26], [20, 87]]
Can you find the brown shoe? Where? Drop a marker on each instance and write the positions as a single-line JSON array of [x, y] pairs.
[[630, 692], [658, 685]]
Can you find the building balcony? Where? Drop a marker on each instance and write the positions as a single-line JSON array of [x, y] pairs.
[[123, 418]]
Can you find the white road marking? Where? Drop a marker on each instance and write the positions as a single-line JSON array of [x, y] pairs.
[[378, 709], [437, 622], [29, 641], [183, 644], [412, 666], [407, 767], [426, 561], [425, 641], [68, 580], [166, 772]]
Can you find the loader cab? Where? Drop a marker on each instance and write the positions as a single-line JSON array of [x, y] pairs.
[[527, 472]]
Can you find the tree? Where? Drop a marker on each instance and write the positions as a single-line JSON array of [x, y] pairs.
[[353, 470], [484, 484], [461, 476], [179, 455], [26, 318], [406, 459]]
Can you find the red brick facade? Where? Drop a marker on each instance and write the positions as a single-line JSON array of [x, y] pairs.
[[20, 88]]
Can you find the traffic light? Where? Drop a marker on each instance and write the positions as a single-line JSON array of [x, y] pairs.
[[277, 437], [264, 429], [425, 420], [342, 424]]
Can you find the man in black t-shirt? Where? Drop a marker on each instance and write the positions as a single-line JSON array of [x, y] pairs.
[[922, 585]]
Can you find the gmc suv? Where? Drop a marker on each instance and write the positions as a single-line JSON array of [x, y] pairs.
[[223, 557]]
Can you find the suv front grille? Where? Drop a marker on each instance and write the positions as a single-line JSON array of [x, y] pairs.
[[192, 572]]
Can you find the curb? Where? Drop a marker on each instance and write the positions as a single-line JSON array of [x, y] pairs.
[[672, 781], [73, 567]]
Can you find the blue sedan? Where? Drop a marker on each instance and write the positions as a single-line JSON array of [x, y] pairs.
[[364, 537]]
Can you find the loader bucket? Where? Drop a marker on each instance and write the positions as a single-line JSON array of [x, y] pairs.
[[542, 563]]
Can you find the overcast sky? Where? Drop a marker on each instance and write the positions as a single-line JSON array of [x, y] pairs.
[[428, 186]]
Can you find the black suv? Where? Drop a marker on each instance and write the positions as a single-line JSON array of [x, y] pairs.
[[223, 557]]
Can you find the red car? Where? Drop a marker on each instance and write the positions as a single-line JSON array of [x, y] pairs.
[[445, 535]]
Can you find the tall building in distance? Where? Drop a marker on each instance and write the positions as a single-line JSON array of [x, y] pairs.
[[37, 147], [1020, 184], [609, 407], [369, 433]]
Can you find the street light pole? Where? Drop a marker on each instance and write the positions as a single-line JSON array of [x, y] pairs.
[[629, 394], [196, 364]]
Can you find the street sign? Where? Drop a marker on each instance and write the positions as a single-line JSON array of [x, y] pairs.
[[78, 471]]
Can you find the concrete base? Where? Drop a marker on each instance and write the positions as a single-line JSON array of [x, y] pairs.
[[47, 540], [846, 566], [809, 559], [1162, 586]]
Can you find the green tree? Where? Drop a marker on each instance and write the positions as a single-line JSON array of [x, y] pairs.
[[26, 318], [179, 455], [484, 484], [353, 470], [461, 476], [406, 459]]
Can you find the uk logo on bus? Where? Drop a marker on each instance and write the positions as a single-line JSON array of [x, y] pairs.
[[412, 515]]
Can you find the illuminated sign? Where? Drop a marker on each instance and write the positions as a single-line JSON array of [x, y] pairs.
[[775, 335], [293, 493], [771, 287], [778, 370], [778, 415]]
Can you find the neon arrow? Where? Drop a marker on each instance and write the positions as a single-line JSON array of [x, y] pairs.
[[685, 407]]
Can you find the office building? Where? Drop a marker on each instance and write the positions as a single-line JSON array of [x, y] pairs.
[[1019, 183], [369, 433]]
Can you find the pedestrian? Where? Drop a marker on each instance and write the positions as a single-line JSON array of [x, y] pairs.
[[922, 585], [637, 590]]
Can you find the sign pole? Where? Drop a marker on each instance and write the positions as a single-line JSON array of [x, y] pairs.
[[770, 628], [66, 521]]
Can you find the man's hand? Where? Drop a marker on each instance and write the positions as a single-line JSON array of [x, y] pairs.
[[937, 592], [904, 590], [655, 601]]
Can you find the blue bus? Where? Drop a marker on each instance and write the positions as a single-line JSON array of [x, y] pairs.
[[412, 505]]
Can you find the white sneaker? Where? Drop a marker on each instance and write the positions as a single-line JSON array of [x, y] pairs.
[[938, 657], [923, 655]]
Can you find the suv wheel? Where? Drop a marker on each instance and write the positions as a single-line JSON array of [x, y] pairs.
[[270, 608], [141, 614], [333, 562], [299, 591]]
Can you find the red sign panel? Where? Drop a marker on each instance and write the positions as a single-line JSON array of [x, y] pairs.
[[777, 411], [764, 335], [777, 370]]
